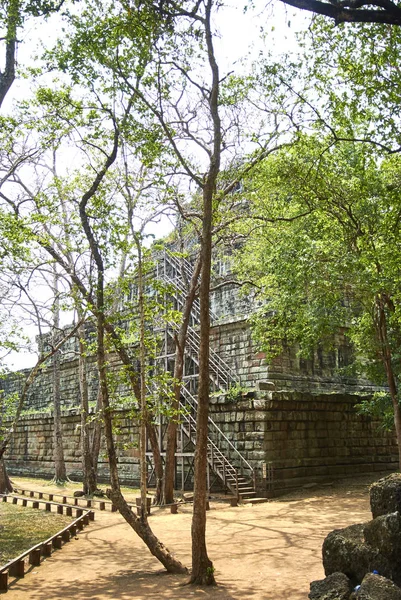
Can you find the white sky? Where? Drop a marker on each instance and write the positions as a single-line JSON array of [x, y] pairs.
[[240, 36]]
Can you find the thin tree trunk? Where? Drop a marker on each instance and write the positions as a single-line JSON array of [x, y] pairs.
[[97, 433], [88, 470], [171, 435], [144, 410], [202, 567], [157, 459], [381, 328], [60, 473]]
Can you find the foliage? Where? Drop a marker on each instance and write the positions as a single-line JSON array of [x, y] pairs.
[[325, 248]]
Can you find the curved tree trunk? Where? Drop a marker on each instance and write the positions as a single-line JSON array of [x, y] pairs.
[[140, 526]]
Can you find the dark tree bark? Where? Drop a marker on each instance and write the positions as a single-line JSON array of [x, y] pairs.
[[7, 76], [380, 320], [157, 459], [202, 567], [89, 467], [5, 483], [353, 11]]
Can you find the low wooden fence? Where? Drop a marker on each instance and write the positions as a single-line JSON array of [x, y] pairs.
[[16, 566], [88, 502]]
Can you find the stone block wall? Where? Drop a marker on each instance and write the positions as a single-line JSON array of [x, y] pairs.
[[234, 343], [304, 437], [31, 450]]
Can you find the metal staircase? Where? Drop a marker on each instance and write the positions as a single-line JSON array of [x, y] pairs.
[[226, 462]]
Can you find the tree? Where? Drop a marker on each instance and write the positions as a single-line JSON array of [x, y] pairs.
[[13, 14], [326, 255], [349, 11]]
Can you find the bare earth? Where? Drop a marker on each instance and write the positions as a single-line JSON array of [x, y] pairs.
[[268, 551]]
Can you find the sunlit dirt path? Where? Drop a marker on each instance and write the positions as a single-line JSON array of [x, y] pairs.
[[268, 551]]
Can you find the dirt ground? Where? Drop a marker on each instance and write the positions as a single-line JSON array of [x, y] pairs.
[[268, 551]]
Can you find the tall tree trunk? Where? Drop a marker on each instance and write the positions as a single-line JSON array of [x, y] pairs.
[[157, 460], [144, 409], [60, 473], [5, 483], [88, 467], [202, 567], [381, 328], [171, 436], [97, 433]]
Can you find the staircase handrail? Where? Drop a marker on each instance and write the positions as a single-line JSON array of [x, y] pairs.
[[194, 403], [221, 367], [178, 265]]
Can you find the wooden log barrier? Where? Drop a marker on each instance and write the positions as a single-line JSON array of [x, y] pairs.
[[35, 556], [18, 568], [57, 542], [47, 549], [66, 536], [4, 581]]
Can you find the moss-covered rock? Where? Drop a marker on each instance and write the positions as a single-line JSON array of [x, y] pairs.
[[334, 587], [345, 551], [375, 587], [385, 495], [384, 534]]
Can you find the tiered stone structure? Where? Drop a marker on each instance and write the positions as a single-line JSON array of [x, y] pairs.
[[296, 422]]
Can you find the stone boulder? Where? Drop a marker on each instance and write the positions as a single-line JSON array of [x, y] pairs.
[[375, 587], [345, 551], [385, 495], [336, 586], [384, 534]]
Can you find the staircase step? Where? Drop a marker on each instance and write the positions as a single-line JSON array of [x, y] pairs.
[[254, 500]]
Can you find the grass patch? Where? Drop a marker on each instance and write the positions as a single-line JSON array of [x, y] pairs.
[[23, 527]]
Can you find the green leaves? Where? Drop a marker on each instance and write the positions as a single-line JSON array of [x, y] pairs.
[[324, 245]]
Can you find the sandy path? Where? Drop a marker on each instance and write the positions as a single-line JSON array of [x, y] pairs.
[[266, 552]]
